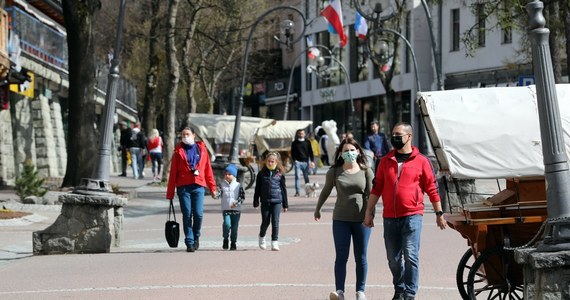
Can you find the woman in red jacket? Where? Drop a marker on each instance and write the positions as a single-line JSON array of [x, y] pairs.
[[402, 178], [190, 173]]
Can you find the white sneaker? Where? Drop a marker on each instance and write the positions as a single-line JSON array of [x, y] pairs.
[[262, 243], [360, 295], [338, 295], [275, 245]]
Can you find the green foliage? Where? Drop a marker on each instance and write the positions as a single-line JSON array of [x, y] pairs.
[[29, 183]]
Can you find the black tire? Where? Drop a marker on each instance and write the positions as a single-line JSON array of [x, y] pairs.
[[465, 265], [478, 285], [288, 165], [248, 178]]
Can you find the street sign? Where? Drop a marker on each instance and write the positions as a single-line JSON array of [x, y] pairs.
[[525, 80]]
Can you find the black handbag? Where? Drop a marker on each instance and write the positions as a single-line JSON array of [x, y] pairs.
[[172, 228]]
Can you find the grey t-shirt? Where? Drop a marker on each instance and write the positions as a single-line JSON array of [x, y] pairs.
[[352, 193]]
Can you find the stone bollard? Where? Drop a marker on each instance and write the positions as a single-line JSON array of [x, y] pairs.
[[546, 274], [87, 224]]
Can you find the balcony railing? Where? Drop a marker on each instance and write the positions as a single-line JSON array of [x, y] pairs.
[[38, 39]]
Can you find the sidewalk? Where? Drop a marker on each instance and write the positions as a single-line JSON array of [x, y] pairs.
[[146, 268]]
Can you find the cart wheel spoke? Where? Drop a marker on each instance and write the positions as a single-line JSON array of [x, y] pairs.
[[489, 277], [463, 268]]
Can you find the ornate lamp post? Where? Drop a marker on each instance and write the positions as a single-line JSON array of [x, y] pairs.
[[287, 30], [286, 110], [100, 180], [556, 170]]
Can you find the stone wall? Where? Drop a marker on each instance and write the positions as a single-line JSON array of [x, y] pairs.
[[546, 274], [46, 158], [7, 169], [59, 136], [23, 133]]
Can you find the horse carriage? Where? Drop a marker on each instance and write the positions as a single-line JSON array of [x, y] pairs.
[[492, 134], [256, 136]]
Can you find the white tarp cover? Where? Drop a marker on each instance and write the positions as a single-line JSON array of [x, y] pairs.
[[283, 132], [489, 132], [221, 127]]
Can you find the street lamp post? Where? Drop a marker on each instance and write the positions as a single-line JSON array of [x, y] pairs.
[[556, 170], [234, 151], [286, 110], [100, 180]]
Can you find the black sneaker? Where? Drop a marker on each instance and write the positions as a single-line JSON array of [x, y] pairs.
[[398, 296], [225, 245], [196, 243], [409, 297], [190, 249], [297, 195], [123, 175], [233, 246]]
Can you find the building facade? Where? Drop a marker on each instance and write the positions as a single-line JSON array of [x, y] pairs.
[[33, 120]]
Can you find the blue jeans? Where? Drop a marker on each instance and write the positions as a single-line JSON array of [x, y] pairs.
[[156, 160], [301, 166], [342, 232], [191, 199], [231, 222], [402, 241], [270, 213], [137, 162]]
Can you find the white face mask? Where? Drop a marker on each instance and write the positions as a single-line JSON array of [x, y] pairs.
[[188, 140], [301, 139]]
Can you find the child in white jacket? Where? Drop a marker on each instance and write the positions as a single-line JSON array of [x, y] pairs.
[[232, 195]]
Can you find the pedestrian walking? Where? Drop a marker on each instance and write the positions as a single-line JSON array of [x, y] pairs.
[[232, 197], [316, 153], [402, 178], [155, 151], [124, 147], [376, 142], [137, 145], [271, 194], [352, 179], [302, 155], [190, 173]]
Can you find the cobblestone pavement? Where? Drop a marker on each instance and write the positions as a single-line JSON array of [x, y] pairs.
[[145, 268]]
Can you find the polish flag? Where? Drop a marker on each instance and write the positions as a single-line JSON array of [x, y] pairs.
[[360, 26], [333, 15]]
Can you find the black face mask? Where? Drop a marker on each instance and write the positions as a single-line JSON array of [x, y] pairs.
[[397, 142]]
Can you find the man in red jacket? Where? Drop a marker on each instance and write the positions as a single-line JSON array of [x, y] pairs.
[[402, 178]]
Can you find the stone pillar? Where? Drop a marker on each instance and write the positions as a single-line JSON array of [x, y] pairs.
[[59, 136], [546, 274], [46, 158], [23, 132], [7, 169], [87, 224]]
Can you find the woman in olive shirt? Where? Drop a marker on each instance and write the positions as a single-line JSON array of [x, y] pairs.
[[353, 180]]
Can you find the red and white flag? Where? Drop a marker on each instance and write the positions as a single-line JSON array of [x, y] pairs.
[[333, 15]]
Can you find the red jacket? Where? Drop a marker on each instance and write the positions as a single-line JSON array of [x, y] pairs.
[[404, 195], [180, 173]]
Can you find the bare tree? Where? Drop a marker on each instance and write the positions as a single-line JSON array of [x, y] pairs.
[[82, 136], [152, 74], [174, 77]]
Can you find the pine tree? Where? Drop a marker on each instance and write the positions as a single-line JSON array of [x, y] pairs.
[[29, 183]]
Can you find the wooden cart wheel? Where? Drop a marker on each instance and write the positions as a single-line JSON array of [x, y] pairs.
[[502, 288], [465, 265], [288, 164], [248, 177]]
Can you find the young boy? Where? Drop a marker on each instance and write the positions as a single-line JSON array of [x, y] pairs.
[[233, 196]]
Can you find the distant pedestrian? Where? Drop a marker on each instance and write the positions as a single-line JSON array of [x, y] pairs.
[[232, 197], [124, 146], [316, 153], [376, 142], [352, 179], [302, 155], [137, 144], [190, 173], [154, 146], [402, 178], [323, 140], [271, 193]]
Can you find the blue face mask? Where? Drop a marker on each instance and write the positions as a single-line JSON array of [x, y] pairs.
[[350, 156]]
